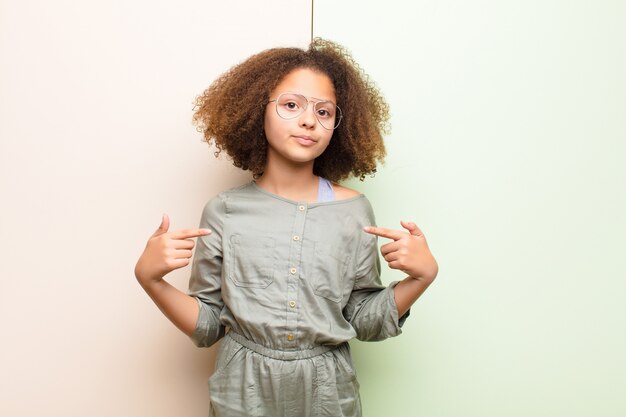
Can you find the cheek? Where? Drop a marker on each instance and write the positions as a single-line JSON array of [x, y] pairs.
[[273, 132], [325, 141], [327, 138], [269, 126]]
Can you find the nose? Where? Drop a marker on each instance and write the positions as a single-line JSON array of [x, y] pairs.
[[307, 118]]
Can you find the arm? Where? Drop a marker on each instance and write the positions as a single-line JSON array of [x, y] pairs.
[[165, 252], [371, 308], [205, 282], [409, 253]]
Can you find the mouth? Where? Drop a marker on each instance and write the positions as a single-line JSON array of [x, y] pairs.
[[305, 140]]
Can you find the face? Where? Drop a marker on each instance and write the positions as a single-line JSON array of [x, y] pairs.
[[303, 138]]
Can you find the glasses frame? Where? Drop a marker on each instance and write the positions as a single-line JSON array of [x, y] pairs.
[[338, 115]]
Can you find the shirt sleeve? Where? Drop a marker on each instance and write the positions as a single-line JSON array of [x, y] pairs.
[[371, 308], [206, 273]]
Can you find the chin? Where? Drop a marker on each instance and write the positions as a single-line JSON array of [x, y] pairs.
[[298, 154], [301, 159]]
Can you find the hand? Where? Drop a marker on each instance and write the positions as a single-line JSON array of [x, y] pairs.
[[165, 252], [408, 252]]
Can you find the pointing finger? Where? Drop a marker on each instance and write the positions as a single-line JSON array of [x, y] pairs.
[[189, 233], [382, 232]]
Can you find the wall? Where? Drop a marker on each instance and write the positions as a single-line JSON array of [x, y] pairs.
[[96, 142], [509, 150]]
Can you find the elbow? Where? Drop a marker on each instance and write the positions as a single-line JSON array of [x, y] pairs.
[[372, 330], [366, 337], [207, 337], [203, 343]]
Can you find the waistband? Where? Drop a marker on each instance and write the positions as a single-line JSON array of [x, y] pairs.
[[285, 355]]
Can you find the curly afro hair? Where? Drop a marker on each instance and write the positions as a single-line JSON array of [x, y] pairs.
[[230, 113]]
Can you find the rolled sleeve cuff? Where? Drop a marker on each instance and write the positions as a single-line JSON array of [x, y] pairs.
[[208, 327], [378, 319], [394, 324], [394, 310]]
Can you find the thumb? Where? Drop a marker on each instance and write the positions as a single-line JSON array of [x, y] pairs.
[[164, 226], [412, 228]]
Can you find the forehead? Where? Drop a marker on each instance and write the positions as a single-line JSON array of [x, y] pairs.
[[308, 82]]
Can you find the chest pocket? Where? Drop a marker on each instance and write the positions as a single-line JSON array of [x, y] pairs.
[[327, 272], [251, 262]]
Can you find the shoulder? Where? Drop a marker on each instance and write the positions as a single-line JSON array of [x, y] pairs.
[[214, 208], [233, 194], [343, 193], [218, 205], [360, 208]]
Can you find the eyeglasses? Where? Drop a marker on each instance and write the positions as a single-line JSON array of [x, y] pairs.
[[292, 105]]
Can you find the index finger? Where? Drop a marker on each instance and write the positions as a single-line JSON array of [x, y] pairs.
[[382, 232], [189, 233]]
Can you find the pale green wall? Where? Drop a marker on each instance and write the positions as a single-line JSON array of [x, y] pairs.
[[509, 150]]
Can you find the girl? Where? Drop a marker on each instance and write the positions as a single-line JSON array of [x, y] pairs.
[[286, 268]]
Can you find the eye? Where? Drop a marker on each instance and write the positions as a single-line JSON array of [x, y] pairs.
[[291, 105], [325, 110], [323, 113]]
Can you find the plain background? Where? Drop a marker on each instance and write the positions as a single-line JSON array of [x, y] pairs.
[[509, 150], [96, 102]]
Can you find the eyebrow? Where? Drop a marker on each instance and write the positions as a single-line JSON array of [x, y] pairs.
[[307, 97], [317, 98]]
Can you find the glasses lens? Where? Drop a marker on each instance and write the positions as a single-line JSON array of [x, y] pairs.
[[290, 105], [328, 114]]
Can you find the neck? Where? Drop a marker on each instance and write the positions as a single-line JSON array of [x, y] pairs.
[[294, 181]]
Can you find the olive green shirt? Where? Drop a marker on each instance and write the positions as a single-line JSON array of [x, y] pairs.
[[293, 281]]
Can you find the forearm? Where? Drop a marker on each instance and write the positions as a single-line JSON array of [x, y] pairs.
[[180, 308], [406, 292]]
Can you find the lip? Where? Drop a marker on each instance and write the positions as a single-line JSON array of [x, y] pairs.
[[305, 140]]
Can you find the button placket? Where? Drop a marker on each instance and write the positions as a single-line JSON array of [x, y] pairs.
[[293, 277]]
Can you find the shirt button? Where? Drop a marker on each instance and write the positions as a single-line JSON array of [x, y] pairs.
[[301, 207], [296, 238], [290, 337], [293, 270], [292, 304]]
